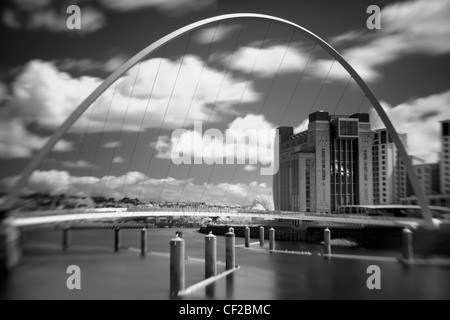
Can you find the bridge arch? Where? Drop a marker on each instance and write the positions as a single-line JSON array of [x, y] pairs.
[[39, 157]]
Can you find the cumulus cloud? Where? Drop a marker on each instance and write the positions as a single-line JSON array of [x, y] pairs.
[[269, 60], [410, 27], [61, 182], [419, 119], [219, 33], [77, 164], [247, 140], [17, 142], [112, 144], [118, 159], [44, 95]]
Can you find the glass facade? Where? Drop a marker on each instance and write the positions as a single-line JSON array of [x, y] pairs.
[[344, 168]]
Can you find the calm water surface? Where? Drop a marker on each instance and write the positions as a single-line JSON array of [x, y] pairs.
[[263, 275]]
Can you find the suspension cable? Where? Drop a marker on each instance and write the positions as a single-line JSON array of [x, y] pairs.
[[263, 105], [241, 99], [143, 121], [193, 98], [216, 100], [165, 113], [121, 126]]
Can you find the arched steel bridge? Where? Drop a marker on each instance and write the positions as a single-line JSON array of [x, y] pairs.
[[39, 157]]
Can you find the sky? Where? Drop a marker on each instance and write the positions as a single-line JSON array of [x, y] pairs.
[[233, 75]]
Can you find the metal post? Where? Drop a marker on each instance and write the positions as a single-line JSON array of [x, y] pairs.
[[143, 242], [230, 250], [210, 255], [247, 237], [327, 242], [261, 236], [66, 238], [272, 239], [117, 239], [177, 266], [407, 244]]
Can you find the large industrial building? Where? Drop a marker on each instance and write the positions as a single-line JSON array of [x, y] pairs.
[[327, 166]]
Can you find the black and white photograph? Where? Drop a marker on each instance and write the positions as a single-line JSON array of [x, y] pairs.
[[225, 156]]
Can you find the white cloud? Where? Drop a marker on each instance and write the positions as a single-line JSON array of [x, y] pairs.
[[17, 142], [302, 126], [411, 27], [77, 164], [171, 7], [46, 96], [250, 138], [118, 160], [219, 33], [112, 144], [61, 182], [268, 60], [419, 119]]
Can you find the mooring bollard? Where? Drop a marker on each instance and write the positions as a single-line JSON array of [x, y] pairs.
[[407, 244], [272, 239], [66, 238], [230, 250], [210, 255], [177, 266], [117, 239], [143, 242], [261, 236], [179, 234], [327, 242], [247, 237]]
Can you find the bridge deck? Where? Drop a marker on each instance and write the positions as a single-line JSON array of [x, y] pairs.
[[64, 216]]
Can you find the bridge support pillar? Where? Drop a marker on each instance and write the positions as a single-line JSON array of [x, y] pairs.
[[272, 239], [261, 236], [230, 250], [247, 237], [10, 247], [407, 245], [117, 239], [210, 255], [143, 242], [327, 242], [177, 266], [66, 238]]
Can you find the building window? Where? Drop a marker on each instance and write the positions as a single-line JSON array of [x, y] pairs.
[[446, 129]]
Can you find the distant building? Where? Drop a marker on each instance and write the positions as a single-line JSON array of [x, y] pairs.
[[327, 166], [389, 173], [445, 158], [428, 175]]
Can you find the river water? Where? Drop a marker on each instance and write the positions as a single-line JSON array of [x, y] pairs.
[[262, 275]]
